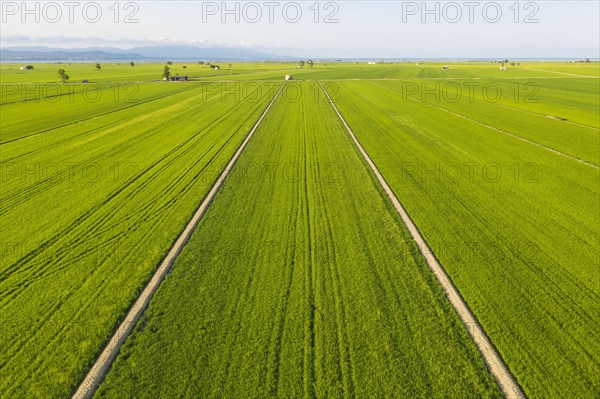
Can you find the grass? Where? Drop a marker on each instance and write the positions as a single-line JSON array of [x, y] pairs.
[[300, 282]]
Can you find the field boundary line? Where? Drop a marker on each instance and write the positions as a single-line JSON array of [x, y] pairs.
[[496, 365], [93, 117], [103, 363], [561, 73], [588, 163], [541, 115], [503, 78], [538, 114]]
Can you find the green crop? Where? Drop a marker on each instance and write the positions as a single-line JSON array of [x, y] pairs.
[[88, 210], [301, 281], [514, 224]]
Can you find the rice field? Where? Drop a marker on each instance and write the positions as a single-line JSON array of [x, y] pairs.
[[301, 279]]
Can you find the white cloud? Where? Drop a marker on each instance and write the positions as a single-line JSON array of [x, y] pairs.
[[92, 41]]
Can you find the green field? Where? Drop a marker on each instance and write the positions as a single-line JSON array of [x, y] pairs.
[[517, 238], [300, 280], [299, 289], [104, 198], [145, 72]]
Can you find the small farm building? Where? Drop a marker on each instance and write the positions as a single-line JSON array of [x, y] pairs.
[[178, 78], [289, 77]]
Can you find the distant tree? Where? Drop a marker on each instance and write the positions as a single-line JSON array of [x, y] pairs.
[[310, 63], [131, 63], [587, 60], [200, 62], [98, 66], [63, 75], [169, 62], [166, 73], [301, 65]]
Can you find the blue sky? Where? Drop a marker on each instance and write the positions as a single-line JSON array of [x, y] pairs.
[[386, 29]]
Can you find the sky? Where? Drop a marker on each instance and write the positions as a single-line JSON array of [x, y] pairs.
[[328, 29]]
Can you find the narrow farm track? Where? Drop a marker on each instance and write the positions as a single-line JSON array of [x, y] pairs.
[[95, 116], [588, 163], [561, 73], [501, 130], [419, 77], [544, 116], [492, 358], [104, 361]]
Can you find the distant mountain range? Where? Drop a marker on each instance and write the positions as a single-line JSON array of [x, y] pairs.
[[151, 53]]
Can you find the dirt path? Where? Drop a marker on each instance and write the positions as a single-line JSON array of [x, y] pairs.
[[583, 161], [103, 363], [516, 136], [499, 370], [562, 73], [542, 115]]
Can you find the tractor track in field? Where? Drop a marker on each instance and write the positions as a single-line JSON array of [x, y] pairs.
[[496, 365], [104, 361]]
